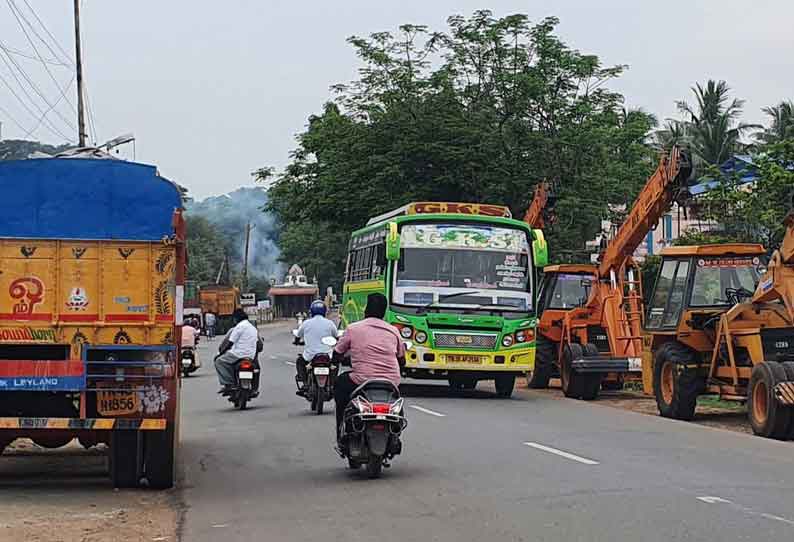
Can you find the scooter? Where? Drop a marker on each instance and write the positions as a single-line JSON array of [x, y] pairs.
[[246, 372], [321, 374], [373, 423], [190, 360]]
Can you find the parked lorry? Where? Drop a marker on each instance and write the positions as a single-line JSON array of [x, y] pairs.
[[92, 265], [222, 301]]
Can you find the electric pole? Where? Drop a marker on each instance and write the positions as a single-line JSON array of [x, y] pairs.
[[248, 228], [81, 135]]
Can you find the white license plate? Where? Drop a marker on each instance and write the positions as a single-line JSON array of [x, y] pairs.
[[322, 371], [635, 364], [246, 374], [186, 362]]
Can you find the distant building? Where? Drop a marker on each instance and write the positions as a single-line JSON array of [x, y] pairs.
[[294, 295]]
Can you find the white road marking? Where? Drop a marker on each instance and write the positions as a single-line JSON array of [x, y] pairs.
[[714, 500], [427, 411], [777, 518], [560, 453], [290, 363], [220, 526]]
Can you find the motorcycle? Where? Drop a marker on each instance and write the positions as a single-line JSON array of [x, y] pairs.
[[321, 374], [246, 372], [373, 423]]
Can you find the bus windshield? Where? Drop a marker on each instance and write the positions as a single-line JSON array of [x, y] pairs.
[[438, 260]]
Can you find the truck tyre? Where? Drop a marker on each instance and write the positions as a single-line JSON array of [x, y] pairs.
[[125, 458], [675, 391], [789, 368], [591, 382], [160, 460], [570, 380], [545, 352], [504, 385], [768, 418]]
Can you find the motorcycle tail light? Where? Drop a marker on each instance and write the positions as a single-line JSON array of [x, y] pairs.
[[246, 365], [381, 408]]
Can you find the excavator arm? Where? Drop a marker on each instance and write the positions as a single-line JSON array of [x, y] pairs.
[[655, 199], [778, 281], [539, 210]]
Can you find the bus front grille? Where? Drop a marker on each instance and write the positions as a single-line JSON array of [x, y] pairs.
[[465, 340]]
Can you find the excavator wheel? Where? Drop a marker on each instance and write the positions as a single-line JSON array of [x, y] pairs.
[[676, 391], [591, 382], [545, 352], [789, 368], [570, 380], [768, 418]]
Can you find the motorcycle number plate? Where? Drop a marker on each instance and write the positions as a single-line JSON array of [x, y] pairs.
[[186, 362], [380, 417], [246, 374], [322, 370]]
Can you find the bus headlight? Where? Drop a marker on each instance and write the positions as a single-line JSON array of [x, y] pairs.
[[521, 337], [406, 332], [507, 340], [420, 336]]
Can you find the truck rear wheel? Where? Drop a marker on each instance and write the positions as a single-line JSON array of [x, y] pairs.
[[789, 368], [768, 417], [570, 380], [160, 461], [125, 458], [545, 352], [591, 382], [675, 391]]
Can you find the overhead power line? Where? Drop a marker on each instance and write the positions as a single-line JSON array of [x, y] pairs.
[[17, 14], [66, 55], [17, 52], [47, 123]]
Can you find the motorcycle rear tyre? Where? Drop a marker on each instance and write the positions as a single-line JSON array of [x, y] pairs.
[[374, 466]]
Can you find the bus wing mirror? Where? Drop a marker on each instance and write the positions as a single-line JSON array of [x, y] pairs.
[[392, 242], [540, 250]]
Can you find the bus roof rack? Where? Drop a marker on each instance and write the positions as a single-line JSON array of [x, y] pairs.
[[433, 207]]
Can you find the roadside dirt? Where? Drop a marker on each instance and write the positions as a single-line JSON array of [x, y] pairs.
[[732, 417], [65, 495]]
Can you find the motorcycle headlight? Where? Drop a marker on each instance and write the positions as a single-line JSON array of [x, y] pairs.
[[406, 332], [507, 340], [420, 336]]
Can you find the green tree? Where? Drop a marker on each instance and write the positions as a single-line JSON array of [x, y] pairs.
[[503, 105], [205, 250], [782, 125], [19, 149], [712, 125]]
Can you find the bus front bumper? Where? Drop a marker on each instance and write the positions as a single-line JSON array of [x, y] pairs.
[[512, 360]]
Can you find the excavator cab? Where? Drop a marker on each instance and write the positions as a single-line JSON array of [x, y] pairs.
[[709, 329]]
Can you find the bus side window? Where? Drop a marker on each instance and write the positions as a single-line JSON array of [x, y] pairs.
[[401, 261], [378, 261]]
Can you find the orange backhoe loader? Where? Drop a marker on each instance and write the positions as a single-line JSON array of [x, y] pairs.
[[719, 324], [592, 315]]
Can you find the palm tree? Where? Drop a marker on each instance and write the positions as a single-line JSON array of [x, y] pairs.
[[782, 126], [674, 132], [713, 126]]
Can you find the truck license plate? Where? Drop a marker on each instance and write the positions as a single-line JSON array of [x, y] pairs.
[[117, 403], [464, 358]]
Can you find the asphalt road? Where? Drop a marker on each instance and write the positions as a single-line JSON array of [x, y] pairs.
[[474, 468]]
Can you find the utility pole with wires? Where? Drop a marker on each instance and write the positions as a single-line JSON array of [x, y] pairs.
[[81, 135], [248, 228]]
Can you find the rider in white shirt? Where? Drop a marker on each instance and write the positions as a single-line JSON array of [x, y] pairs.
[[242, 339]]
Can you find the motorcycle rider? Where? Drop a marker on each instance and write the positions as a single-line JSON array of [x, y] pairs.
[[376, 351], [313, 331], [209, 321], [242, 344]]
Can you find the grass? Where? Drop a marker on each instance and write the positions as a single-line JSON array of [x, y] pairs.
[[712, 401]]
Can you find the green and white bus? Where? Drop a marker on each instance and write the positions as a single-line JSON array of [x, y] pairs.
[[460, 280]]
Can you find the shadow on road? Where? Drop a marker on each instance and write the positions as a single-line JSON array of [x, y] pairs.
[[443, 392]]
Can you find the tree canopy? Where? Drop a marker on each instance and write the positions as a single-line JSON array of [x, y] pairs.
[[480, 113]]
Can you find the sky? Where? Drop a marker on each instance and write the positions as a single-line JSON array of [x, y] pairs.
[[214, 90]]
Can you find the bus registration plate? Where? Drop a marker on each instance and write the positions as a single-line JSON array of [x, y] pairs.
[[117, 403], [467, 359]]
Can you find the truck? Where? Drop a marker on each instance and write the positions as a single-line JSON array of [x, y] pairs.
[[221, 301], [92, 266]]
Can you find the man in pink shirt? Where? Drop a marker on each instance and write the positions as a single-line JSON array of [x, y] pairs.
[[376, 350]]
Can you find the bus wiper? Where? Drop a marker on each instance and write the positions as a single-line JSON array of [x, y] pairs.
[[423, 310]]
